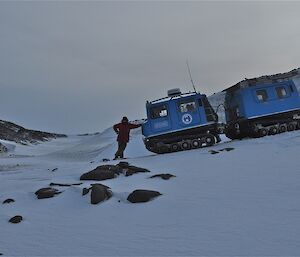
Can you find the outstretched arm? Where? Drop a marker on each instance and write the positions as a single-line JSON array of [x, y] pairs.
[[133, 126]]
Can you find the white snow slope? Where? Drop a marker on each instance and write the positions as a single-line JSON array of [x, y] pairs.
[[241, 202]]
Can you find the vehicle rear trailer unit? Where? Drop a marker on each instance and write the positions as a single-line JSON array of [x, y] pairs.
[[263, 106]]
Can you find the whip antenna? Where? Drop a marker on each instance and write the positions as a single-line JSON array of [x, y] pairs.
[[187, 64]]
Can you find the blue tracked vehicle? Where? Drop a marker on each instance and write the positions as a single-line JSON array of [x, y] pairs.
[[263, 106], [180, 122]]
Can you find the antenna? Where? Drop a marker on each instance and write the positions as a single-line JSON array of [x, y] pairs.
[[187, 64]]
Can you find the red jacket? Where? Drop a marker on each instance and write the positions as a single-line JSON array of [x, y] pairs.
[[123, 129]]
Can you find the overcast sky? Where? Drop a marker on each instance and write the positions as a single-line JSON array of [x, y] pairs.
[[76, 67]]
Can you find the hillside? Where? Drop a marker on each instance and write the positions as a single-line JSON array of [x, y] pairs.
[[239, 202], [13, 132]]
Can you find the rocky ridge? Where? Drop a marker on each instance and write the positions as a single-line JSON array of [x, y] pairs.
[[11, 132]]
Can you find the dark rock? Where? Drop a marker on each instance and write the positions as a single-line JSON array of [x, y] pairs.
[[102, 173], [123, 165], [105, 160], [133, 170], [83, 135], [47, 192], [100, 193], [228, 149], [85, 191], [141, 196], [55, 169], [213, 152], [9, 200], [16, 219], [3, 148], [164, 176], [65, 185]]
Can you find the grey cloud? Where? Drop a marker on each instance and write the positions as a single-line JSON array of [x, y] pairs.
[[74, 67]]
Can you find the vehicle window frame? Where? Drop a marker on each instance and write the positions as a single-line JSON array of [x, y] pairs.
[[161, 107], [279, 95], [264, 99], [186, 102]]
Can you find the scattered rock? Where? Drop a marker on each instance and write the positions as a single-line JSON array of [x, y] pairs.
[[133, 170], [55, 169], [64, 185], [9, 200], [3, 148], [213, 152], [105, 160], [47, 192], [164, 176], [102, 172], [228, 149], [100, 193], [85, 191], [123, 165], [91, 161], [141, 196], [16, 219]]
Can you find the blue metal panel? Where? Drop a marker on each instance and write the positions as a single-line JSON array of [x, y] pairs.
[[180, 116], [274, 104]]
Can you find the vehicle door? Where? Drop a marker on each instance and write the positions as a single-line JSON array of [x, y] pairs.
[[160, 118]]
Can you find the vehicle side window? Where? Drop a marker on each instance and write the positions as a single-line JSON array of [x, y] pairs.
[[187, 106], [159, 112], [281, 92], [262, 95]]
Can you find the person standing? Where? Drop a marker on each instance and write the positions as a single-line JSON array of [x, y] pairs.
[[122, 130]]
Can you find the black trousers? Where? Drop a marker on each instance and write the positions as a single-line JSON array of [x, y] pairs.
[[121, 148]]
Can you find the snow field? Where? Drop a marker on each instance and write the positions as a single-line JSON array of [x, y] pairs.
[[241, 202]]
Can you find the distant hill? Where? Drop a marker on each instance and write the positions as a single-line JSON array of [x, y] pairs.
[[13, 132]]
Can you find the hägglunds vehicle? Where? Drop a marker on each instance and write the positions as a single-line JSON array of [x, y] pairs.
[[263, 106], [180, 122]]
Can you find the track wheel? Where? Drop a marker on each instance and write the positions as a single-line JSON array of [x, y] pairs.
[[282, 128], [291, 127], [163, 149], [298, 124], [210, 140], [196, 143], [186, 145], [263, 132], [273, 130], [175, 147]]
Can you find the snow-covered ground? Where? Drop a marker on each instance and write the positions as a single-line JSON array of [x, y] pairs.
[[241, 202]]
